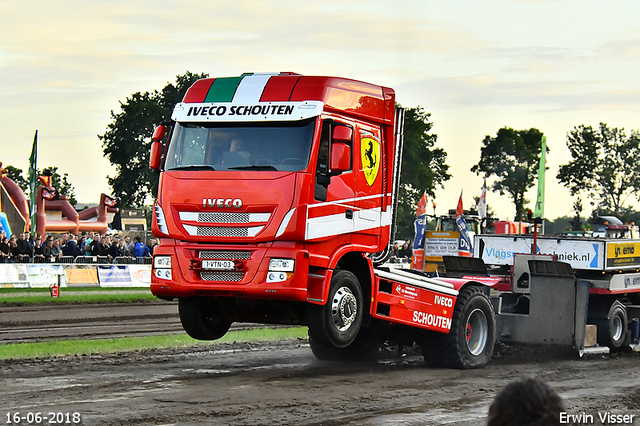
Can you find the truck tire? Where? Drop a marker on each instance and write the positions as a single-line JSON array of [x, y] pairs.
[[612, 330], [202, 318], [366, 346], [337, 322], [469, 343]]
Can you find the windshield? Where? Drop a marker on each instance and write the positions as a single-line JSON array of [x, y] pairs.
[[277, 146]]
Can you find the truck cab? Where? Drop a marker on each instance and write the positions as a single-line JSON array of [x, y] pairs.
[[269, 185]]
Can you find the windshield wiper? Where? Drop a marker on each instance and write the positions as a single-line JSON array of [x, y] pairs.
[[194, 167], [254, 167]]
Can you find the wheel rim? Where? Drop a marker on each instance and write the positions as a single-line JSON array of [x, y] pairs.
[[616, 328], [477, 332], [344, 309]]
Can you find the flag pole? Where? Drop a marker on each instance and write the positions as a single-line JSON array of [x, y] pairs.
[[33, 159]]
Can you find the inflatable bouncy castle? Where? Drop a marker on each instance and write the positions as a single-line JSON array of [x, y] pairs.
[[54, 213]]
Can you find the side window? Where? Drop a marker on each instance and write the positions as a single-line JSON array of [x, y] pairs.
[[323, 151]]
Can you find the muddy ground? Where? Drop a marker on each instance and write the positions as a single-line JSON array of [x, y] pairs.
[[282, 384]]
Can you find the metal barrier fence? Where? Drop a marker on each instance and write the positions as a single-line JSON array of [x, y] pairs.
[[92, 260]]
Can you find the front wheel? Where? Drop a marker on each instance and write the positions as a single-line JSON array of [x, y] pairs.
[[469, 343], [337, 322], [202, 318]]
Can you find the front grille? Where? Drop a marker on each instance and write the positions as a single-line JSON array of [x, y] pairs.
[[224, 254], [217, 224], [222, 231], [224, 217], [221, 276]]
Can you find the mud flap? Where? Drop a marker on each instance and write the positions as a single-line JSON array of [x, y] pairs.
[[552, 309]]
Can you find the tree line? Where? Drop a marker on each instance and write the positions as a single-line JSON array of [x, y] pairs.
[[604, 162]]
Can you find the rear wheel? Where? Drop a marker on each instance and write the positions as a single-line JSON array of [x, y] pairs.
[[202, 318], [612, 330], [337, 322], [469, 343]]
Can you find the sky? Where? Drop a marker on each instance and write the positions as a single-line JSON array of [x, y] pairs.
[[475, 66]]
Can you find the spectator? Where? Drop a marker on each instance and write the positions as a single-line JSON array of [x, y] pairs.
[[152, 245], [47, 248], [23, 245], [106, 245], [82, 241], [4, 249], [396, 250], [122, 247], [56, 251], [70, 246], [45, 239], [96, 248], [139, 248], [406, 251], [38, 251], [13, 249], [32, 244], [526, 402], [114, 248], [87, 246], [129, 244]]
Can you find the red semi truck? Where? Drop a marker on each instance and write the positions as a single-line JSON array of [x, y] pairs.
[[277, 203]]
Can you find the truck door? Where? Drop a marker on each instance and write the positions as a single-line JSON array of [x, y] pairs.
[[369, 178], [331, 213]]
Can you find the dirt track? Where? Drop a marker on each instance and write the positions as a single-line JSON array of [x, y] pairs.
[[282, 384]]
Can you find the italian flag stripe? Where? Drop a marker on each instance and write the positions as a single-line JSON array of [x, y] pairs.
[[279, 88], [250, 88], [198, 91], [223, 89], [247, 88]]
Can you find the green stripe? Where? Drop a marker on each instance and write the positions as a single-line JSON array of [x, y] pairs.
[[223, 89]]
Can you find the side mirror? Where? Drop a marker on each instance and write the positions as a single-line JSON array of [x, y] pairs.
[[342, 134], [156, 147], [340, 157], [156, 155], [158, 133]]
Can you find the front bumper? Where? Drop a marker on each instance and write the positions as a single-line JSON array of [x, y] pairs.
[[191, 272]]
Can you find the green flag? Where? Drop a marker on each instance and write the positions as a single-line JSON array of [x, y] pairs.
[[32, 181], [539, 211]]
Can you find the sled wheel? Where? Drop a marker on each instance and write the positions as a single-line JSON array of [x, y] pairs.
[[612, 330]]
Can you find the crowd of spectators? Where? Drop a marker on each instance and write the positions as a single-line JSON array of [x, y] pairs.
[[88, 247]]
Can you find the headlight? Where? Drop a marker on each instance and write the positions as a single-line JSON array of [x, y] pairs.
[[162, 261], [163, 274], [281, 265]]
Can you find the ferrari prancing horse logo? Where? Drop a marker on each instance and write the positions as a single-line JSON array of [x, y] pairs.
[[370, 153]]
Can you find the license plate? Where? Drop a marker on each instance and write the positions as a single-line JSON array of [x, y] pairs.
[[220, 265]]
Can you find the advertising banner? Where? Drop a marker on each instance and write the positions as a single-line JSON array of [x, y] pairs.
[[623, 254], [440, 243], [417, 260], [13, 275], [25, 275], [114, 276], [44, 275], [140, 275], [81, 276], [580, 254]]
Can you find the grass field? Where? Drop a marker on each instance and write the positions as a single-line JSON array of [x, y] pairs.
[[61, 348], [33, 296]]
